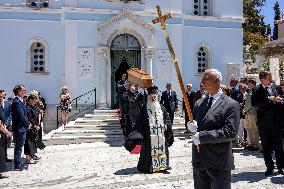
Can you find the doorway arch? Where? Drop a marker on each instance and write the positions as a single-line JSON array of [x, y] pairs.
[[125, 52]]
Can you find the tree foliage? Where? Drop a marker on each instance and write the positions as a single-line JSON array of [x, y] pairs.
[[277, 16], [254, 27]]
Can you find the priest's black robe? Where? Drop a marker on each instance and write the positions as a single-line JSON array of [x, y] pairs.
[[148, 161]]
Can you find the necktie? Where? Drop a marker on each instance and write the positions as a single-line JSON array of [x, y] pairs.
[[209, 104], [267, 90]]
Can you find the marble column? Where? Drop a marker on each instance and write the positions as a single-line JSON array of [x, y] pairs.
[[102, 54], [149, 53], [274, 69]]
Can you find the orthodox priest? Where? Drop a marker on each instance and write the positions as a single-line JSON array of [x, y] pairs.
[[155, 126]]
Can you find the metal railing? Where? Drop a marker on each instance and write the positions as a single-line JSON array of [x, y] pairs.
[[80, 105]]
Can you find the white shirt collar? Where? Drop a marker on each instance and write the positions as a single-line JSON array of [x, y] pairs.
[[217, 95], [266, 86], [21, 99]]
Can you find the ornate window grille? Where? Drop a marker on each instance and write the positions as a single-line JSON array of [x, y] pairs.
[[37, 57], [125, 42], [202, 7], [202, 59], [37, 3]]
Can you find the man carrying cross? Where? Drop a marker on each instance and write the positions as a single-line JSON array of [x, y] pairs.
[[217, 119]]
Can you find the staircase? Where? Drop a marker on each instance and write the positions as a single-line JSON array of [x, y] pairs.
[[101, 126]]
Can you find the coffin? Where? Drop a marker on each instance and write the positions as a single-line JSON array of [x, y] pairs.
[[139, 77]]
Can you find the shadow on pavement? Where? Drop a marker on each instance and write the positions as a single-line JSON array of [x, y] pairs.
[[244, 152], [250, 177], [127, 171], [277, 180]]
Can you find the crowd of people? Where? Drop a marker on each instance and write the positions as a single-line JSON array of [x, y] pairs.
[[242, 114], [21, 123]]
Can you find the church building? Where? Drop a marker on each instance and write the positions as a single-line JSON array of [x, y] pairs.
[[87, 44]]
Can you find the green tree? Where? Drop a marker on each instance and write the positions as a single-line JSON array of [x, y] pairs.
[[254, 26], [277, 16]]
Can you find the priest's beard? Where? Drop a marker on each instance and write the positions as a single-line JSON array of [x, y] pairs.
[[154, 106]]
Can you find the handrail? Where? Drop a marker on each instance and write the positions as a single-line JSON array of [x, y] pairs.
[[83, 109]]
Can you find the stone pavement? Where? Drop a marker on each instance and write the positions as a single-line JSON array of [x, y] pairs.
[[102, 165]]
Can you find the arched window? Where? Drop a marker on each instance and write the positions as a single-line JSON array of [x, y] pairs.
[[37, 56], [202, 59], [202, 7]]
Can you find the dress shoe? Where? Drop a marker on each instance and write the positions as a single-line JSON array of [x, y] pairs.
[[281, 171], [268, 172], [186, 132], [8, 160], [3, 176]]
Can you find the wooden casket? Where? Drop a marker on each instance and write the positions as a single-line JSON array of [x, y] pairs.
[[139, 77]]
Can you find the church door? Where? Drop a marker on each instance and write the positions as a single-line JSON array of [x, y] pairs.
[[125, 54]]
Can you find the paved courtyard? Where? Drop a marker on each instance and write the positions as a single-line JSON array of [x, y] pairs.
[[101, 165]]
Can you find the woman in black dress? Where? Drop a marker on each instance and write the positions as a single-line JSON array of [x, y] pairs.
[[65, 104], [30, 147], [2, 152]]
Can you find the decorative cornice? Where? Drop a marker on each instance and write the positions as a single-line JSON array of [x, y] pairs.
[[214, 18], [102, 52], [149, 52], [125, 14]]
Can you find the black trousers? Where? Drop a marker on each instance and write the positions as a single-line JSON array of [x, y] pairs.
[[271, 139], [205, 178], [171, 115]]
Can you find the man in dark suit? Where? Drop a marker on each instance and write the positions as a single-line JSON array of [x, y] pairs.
[[169, 101], [264, 99], [217, 119], [236, 93], [190, 96], [20, 124], [5, 107], [199, 93]]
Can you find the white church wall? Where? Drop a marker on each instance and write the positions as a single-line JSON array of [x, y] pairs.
[[187, 7], [15, 37], [224, 45], [88, 38], [231, 8]]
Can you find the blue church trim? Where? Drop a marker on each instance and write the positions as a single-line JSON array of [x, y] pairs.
[[30, 16], [213, 24]]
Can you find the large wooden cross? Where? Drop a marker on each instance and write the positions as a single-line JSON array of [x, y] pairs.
[[162, 19]]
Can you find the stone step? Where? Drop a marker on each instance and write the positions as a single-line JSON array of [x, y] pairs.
[[118, 141], [101, 116], [83, 121], [105, 111], [87, 132], [92, 127]]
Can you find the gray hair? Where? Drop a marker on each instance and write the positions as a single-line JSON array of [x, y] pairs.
[[216, 73]]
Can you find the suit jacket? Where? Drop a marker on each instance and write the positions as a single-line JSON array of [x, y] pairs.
[[217, 128], [169, 102], [237, 95], [20, 121], [7, 113], [190, 98], [267, 111]]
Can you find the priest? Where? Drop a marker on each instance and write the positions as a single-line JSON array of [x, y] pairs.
[[155, 126]]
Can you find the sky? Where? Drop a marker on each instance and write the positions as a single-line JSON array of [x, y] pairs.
[[268, 12]]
